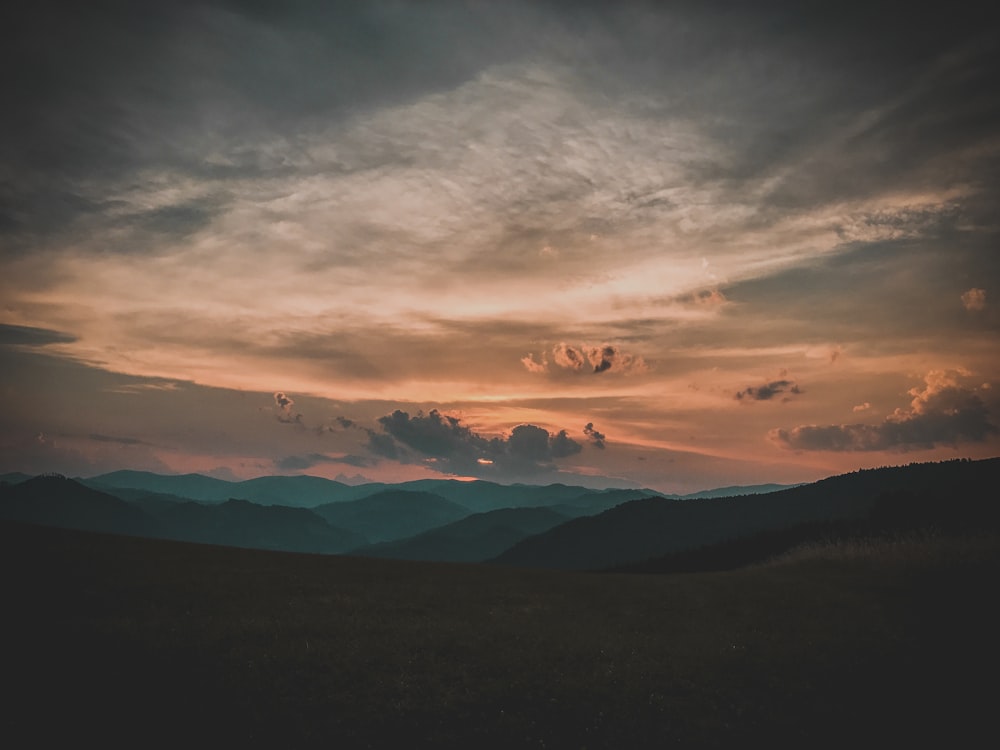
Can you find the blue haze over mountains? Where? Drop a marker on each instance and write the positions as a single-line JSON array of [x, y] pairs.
[[554, 526]]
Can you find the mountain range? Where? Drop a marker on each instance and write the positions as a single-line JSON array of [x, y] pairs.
[[553, 526]]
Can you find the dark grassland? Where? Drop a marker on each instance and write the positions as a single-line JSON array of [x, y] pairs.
[[128, 641]]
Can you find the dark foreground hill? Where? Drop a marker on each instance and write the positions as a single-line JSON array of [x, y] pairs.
[[475, 538], [392, 514], [57, 501], [128, 641], [239, 523], [655, 527]]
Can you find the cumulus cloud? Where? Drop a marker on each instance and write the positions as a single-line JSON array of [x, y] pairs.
[[768, 391], [609, 358], [974, 299], [568, 356], [562, 445], [600, 358], [283, 404], [532, 366], [862, 407], [447, 445], [596, 438], [942, 412]]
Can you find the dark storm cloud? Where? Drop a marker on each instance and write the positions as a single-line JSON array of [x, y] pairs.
[[943, 413], [768, 391], [454, 447], [11, 335], [596, 438]]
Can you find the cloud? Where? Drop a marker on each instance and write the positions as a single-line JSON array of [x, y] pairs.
[[11, 335], [941, 413], [602, 358], [711, 298], [974, 299], [284, 404], [567, 356], [532, 366], [768, 391], [529, 442], [562, 445], [596, 438], [447, 445], [115, 439], [434, 434], [383, 445], [862, 407]]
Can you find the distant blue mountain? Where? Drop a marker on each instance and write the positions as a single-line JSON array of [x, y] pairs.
[[392, 514], [736, 491]]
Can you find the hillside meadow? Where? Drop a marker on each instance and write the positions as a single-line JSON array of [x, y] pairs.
[[128, 641]]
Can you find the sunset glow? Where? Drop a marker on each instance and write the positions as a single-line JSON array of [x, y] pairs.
[[625, 245]]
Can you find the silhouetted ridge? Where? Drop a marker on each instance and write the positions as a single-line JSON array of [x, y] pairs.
[[240, 523], [475, 538], [392, 514], [56, 501], [653, 528]]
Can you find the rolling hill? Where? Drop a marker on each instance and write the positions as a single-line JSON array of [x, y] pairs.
[[57, 501], [655, 527], [475, 538], [392, 514]]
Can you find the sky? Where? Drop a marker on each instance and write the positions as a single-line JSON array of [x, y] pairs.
[[673, 245]]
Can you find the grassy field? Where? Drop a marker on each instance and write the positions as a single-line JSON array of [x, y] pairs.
[[138, 642]]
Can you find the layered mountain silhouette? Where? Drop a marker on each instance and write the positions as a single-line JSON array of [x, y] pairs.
[[656, 527], [475, 538], [553, 526], [57, 501], [392, 514]]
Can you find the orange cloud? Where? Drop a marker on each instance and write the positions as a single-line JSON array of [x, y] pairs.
[[974, 299]]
